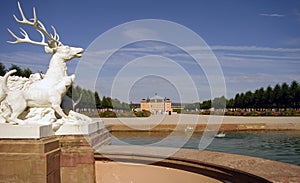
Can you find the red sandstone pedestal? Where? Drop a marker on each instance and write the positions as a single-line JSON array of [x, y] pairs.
[[30, 160], [31, 153], [77, 161]]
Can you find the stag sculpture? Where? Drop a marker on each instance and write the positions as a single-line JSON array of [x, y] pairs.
[[49, 89], [60, 53]]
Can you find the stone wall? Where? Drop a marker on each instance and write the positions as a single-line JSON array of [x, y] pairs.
[[25, 160], [54, 159], [77, 156]]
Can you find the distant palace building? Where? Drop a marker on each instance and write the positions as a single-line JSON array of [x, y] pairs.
[[156, 105]]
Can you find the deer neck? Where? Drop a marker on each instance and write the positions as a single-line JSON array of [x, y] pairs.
[[57, 68]]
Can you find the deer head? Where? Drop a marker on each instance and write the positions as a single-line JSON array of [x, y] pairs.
[[53, 46]]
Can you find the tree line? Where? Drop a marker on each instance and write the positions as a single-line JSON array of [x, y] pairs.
[[284, 96], [217, 103], [19, 71], [87, 98], [92, 100]]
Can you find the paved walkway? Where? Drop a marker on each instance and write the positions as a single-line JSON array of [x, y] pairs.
[[201, 119], [228, 122]]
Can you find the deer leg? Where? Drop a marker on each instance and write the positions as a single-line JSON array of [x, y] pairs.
[[58, 109], [16, 111]]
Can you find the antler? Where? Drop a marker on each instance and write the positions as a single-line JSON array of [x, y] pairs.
[[26, 38], [53, 39]]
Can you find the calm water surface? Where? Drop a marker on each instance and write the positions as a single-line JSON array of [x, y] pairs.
[[281, 146]]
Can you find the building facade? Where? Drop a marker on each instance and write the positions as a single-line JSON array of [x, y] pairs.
[[156, 105]]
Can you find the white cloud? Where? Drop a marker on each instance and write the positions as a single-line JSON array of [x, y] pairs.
[[257, 64], [240, 48], [251, 78], [139, 33], [294, 41], [253, 48], [277, 57], [34, 61], [272, 15], [297, 14]]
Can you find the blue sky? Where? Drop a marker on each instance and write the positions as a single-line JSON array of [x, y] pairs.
[[256, 42]]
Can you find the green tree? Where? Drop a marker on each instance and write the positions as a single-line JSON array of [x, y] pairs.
[[205, 104], [192, 106], [125, 106], [281, 96], [88, 100], [69, 92], [17, 68], [248, 99], [259, 98], [219, 103], [269, 98], [26, 73], [2, 69], [295, 94], [277, 96], [110, 106], [105, 103], [116, 104], [97, 100], [230, 103], [76, 91], [239, 100], [285, 97]]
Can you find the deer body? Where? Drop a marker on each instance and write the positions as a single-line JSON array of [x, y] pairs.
[[57, 67], [47, 98]]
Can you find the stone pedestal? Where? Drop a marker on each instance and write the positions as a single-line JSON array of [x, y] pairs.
[[30, 160], [31, 153], [8, 131], [79, 129], [77, 151]]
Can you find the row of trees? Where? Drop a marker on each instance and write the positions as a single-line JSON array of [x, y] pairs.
[[20, 72], [91, 100], [217, 103], [282, 96], [87, 98]]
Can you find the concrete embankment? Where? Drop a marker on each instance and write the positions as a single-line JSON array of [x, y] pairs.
[[187, 122]]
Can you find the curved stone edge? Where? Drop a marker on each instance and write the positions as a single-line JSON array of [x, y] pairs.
[[270, 171]]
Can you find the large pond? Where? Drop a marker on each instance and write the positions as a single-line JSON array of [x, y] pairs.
[[281, 146]]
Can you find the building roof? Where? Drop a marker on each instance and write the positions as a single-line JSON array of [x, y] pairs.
[[155, 98]]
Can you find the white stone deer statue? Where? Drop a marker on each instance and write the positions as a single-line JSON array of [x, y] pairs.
[[47, 91]]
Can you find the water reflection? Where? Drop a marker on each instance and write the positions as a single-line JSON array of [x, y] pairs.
[[281, 146]]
